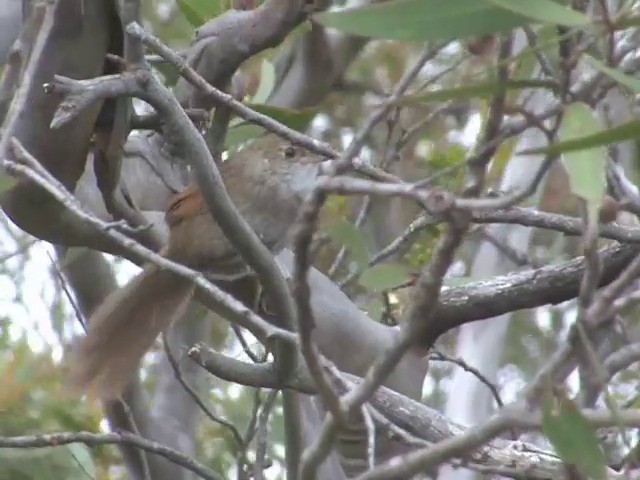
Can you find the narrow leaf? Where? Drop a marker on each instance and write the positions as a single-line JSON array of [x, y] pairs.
[[345, 233], [586, 168], [480, 90], [71, 462], [632, 83], [384, 276], [544, 11], [375, 309], [267, 81], [573, 438], [197, 12], [6, 182], [423, 20], [456, 281], [620, 133], [192, 15], [243, 131], [296, 119]]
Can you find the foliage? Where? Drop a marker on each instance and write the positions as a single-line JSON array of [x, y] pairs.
[[66, 462], [573, 438], [32, 397]]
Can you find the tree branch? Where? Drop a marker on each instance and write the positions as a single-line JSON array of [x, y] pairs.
[[93, 439]]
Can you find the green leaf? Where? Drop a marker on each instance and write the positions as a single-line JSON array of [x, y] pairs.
[[384, 276], [526, 62], [296, 119], [82, 460], [620, 133], [424, 20], [375, 309], [456, 281], [6, 182], [198, 12], [544, 11], [627, 21], [68, 462], [194, 17], [347, 234], [623, 79], [267, 81], [481, 90], [586, 168], [573, 438], [243, 131]]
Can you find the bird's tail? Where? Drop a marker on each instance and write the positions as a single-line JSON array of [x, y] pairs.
[[123, 328]]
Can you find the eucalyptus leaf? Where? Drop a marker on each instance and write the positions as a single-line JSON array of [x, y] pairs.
[[619, 133], [267, 82], [481, 90], [242, 131], [193, 16], [573, 438], [197, 12], [345, 233], [6, 182], [632, 83], [424, 20], [586, 168], [544, 11], [64, 462], [384, 276], [375, 309], [526, 62], [295, 119], [457, 281]]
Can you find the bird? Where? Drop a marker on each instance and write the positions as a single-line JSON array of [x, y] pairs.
[[267, 181]]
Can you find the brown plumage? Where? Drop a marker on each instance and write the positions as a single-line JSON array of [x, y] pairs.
[[266, 182]]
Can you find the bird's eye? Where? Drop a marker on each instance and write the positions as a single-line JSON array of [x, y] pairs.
[[289, 152]]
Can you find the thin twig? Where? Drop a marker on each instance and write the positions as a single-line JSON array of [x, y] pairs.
[[439, 356], [261, 435], [93, 439], [237, 438]]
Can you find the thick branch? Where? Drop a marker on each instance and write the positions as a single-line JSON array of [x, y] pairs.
[[552, 284], [225, 42], [75, 46]]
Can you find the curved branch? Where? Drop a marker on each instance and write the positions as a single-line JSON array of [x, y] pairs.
[[93, 439], [223, 43]]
